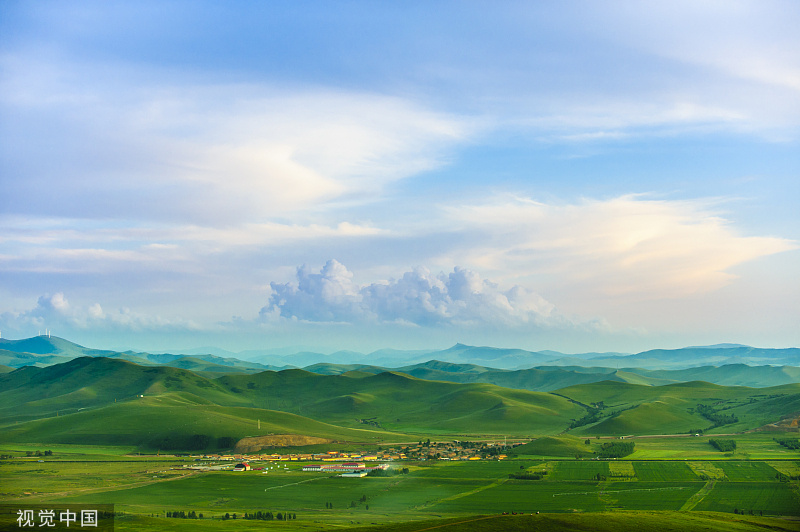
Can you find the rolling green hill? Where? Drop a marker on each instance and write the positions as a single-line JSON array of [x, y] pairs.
[[390, 401], [397, 401], [674, 408], [549, 378], [174, 421], [727, 375], [87, 382], [17, 359], [553, 446], [387, 401]]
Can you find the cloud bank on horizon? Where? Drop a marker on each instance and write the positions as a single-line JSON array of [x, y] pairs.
[[578, 178]]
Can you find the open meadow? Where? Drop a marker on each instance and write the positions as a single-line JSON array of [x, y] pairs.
[[145, 489]]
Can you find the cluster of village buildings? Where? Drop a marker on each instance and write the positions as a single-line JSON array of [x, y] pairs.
[[453, 450]]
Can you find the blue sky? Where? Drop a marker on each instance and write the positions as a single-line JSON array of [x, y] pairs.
[[576, 176]]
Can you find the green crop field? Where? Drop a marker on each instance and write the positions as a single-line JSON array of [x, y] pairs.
[[747, 471], [771, 498], [596, 522], [583, 470], [664, 471]]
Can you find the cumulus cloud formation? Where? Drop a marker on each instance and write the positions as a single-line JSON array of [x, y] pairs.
[[419, 297], [54, 311]]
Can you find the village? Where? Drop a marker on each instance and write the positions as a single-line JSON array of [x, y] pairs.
[[358, 464]]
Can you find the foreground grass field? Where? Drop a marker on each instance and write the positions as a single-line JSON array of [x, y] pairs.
[[573, 494]]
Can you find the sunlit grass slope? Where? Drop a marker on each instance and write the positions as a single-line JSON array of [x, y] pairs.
[[167, 420], [89, 382], [638, 409], [399, 402]]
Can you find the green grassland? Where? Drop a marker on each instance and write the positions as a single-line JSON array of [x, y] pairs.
[[145, 488], [595, 522], [109, 401], [102, 396], [95, 414], [157, 422], [673, 409]]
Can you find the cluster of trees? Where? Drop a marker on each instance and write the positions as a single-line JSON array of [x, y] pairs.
[[269, 516], [226, 442], [715, 416], [592, 416], [743, 512], [37, 453], [539, 475], [185, 515], [195, 442], [616, 449], [363, 499], [725, 446], [790, 443]]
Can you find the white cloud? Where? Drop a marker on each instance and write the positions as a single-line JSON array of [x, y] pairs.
[[54, 311], [202, 152], [419, 297], [630, 246]]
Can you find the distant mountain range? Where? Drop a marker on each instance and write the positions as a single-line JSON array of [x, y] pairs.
[[725, 364], [42, 351]]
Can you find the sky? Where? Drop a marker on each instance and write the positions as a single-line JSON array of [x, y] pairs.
[[573, 176]]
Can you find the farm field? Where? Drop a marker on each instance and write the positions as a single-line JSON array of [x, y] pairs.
[[145, 488]]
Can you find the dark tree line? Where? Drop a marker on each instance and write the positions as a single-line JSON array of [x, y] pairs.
[[616, 449], [269, 516], [719, 419], [185, 515], [790, 443], [725, 446]]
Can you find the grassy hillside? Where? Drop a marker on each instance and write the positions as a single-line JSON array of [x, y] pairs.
[[390, 401], [88, 382], [549, 378], [675, 408], [728, 375], [18, 359], [47, 345], [399, 402], [173, 421], [554, 446]]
